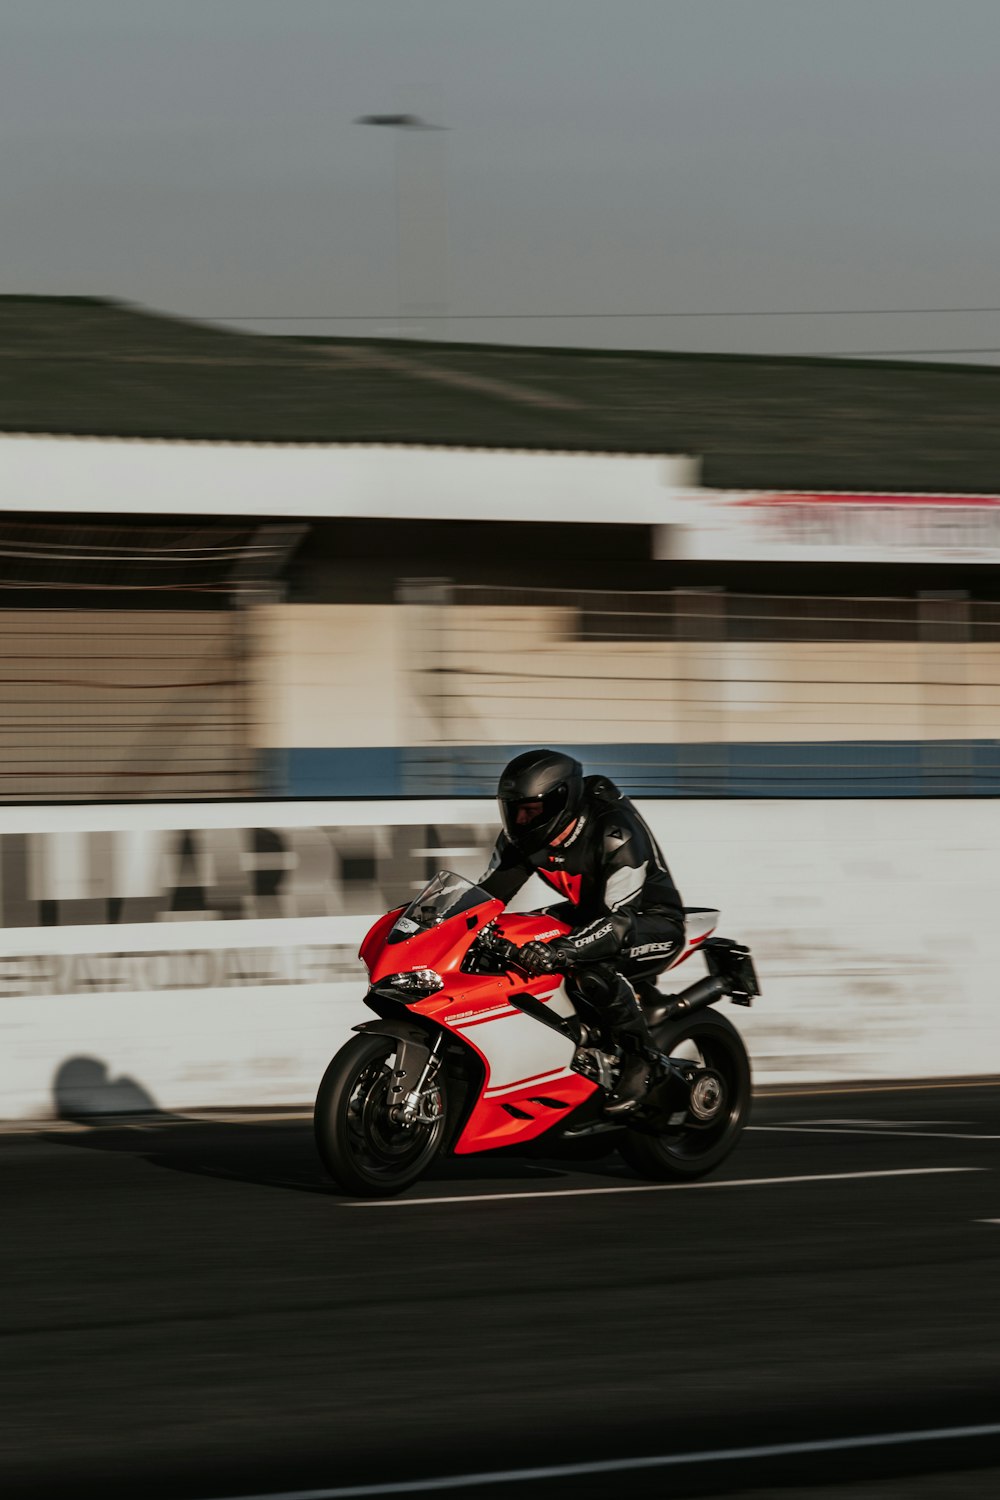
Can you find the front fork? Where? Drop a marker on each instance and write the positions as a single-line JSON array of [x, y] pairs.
[[412, 1098]]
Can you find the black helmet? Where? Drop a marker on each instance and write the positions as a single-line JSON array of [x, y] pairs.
[[539, 795]]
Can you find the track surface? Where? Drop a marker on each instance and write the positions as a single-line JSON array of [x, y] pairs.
[[190, 1312]]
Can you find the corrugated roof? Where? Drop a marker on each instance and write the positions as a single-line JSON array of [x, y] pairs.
[[89, 367]]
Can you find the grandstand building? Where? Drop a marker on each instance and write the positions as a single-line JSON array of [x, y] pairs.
[[237, 566]]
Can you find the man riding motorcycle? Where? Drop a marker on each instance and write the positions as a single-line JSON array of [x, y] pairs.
[[587, 841]]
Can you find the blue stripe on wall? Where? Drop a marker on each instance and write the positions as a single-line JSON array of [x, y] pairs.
[[832, 768], [353, 772]]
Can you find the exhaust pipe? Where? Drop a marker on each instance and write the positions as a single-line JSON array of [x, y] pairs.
[[697, 996]]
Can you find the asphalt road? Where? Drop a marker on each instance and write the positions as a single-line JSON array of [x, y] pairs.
[[189, 1312]]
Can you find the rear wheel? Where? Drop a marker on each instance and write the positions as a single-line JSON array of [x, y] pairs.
[[699, 1126], [361, 1147]]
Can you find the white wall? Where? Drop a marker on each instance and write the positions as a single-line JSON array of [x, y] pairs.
[[871, 922]]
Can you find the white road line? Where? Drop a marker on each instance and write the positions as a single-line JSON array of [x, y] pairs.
[[625, 1465], [986, 1221], [855, 1123], [911, 1135], [654, 1187], [913, 1086]]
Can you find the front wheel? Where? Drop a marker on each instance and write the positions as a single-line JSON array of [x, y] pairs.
[[697, 1129], [362, 1149]]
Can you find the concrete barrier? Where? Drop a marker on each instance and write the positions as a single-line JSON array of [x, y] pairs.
[[183, 956]]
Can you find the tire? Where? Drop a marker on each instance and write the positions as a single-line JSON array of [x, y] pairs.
[[685, 1148], [363, 1151]]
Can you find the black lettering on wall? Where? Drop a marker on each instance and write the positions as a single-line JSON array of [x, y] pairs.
[[268, 868], [145, 875], [18, 911], [187, 892]]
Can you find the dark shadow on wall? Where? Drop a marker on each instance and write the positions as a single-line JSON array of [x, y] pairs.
[[83, 1091]]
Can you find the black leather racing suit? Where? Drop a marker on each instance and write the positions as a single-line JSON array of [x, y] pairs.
[[624, 908]]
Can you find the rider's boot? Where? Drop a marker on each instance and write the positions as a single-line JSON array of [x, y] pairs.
[[637, 1070], [632, 1086]]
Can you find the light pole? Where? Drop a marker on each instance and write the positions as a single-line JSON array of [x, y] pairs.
[[421, 223]]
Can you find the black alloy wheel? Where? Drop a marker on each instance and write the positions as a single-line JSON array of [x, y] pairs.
[[696, 1129], [365, 1151]]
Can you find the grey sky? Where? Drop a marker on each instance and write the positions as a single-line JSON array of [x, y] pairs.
[[602, 156]]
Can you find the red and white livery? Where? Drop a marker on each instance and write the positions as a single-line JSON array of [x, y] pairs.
[[470, 1052]]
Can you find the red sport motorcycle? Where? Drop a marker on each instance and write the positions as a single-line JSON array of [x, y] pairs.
[[470, 1053]]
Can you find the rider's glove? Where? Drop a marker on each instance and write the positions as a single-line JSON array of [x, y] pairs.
[[539, 958], [544, 958]]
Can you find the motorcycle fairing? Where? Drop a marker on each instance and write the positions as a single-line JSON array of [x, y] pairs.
[[442, 948], [522, 1060], [528, 1084], [374, 941]]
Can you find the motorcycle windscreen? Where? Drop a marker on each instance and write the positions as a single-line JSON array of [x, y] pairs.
[[446, 896]]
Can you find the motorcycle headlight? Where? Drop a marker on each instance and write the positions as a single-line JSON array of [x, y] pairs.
[[413, 984]]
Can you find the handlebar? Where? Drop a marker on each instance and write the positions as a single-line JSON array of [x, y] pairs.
[[502, 949], [508, 953]]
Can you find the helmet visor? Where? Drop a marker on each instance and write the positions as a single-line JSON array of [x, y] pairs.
[[536, 816]]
